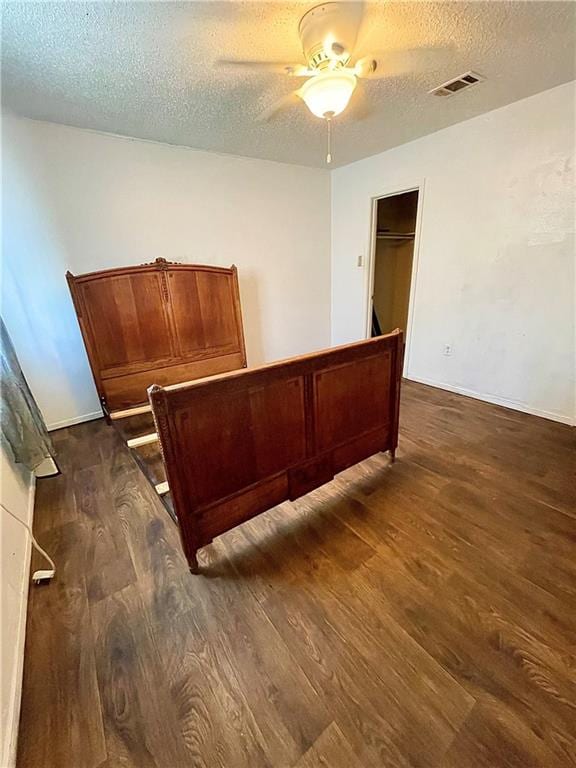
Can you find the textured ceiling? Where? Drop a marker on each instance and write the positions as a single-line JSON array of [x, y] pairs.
[[148, 70]]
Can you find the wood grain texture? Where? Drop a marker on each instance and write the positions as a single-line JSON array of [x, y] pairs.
[[128, 388], [415, 615], [331, 748], [157, 323], [280, 431]]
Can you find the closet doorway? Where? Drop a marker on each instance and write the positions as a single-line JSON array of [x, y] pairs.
[[394, 233]]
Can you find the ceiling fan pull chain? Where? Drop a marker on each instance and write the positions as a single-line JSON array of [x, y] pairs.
[[329, 153]]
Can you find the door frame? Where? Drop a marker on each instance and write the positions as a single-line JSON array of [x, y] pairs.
[[369, 290]]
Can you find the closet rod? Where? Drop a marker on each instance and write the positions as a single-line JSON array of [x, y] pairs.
[[395, 235]]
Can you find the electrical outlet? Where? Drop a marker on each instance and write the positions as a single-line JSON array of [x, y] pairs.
[[360, 262], [447, 349]]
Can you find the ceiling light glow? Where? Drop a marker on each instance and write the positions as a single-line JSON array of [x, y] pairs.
[[327, 94]]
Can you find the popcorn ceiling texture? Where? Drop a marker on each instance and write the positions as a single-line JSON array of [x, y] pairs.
[[148, 70]]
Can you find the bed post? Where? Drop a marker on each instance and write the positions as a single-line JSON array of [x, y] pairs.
[[238, 312], [193, 562], [188, 535], [78, 303], [398, 365]]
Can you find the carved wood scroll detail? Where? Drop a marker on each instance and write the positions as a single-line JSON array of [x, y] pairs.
[[161, 263]]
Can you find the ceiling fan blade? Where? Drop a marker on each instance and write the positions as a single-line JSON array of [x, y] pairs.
[[394, 63], [281, 67], [290, 100]]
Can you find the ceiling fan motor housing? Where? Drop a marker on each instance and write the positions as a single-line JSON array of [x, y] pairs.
[[328, 34]]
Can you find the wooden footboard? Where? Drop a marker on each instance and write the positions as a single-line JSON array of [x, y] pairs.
[[239, 443]]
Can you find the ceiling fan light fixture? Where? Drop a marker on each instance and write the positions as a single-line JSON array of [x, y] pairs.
[[327, 94]]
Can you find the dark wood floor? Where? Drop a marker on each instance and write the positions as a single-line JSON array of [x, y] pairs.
[[415, 614]]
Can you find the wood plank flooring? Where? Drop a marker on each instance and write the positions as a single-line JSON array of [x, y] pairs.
[[420, 614]]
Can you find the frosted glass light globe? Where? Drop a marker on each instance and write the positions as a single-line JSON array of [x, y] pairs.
[[328, 93]]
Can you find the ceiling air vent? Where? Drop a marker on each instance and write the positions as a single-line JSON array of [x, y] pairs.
[[467, 80]]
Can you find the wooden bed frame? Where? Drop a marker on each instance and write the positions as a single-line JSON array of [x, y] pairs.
[[237, 444], [222, 449], [157, 323]]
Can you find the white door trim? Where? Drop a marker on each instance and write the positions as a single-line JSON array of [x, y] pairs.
[[417, 186]]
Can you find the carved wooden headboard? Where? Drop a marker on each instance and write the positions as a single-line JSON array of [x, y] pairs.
[[159, 323]]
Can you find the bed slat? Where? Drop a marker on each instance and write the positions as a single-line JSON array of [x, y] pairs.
[[136, 442]]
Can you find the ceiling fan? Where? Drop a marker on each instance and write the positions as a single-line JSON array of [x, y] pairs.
[[328, 34]]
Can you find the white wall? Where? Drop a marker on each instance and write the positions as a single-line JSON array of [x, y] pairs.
[[84, 201], [495, 275], [496, 259], [16, 492]]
